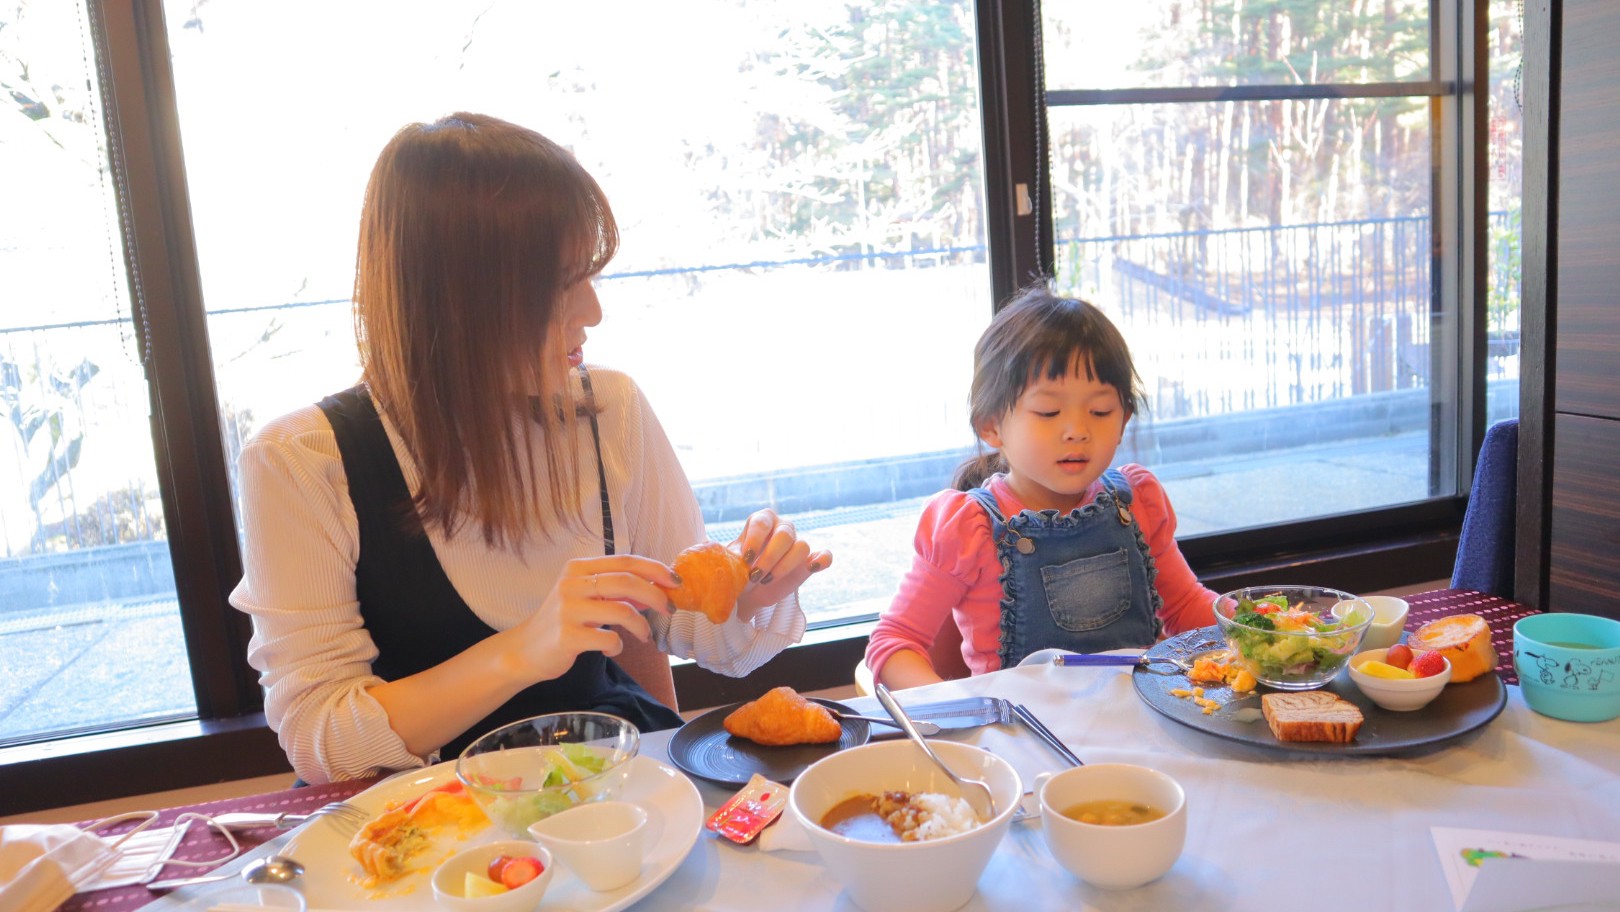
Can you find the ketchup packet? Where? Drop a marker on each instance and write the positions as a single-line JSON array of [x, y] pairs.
[[749, 811]]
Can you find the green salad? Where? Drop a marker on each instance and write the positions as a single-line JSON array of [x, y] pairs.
[[568, 774], [1281, 642]]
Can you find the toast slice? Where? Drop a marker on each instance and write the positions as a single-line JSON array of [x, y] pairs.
[[1311, 715]]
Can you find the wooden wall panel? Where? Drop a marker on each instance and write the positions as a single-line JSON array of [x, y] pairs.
[[1588, 313], [1585, 572]]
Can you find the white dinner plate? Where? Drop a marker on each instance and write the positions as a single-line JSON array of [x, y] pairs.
[[331, 879]]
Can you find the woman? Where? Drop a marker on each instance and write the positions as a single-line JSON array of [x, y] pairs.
[[466, 537]]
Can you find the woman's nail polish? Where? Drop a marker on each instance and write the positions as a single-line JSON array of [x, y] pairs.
[[671, 606], [817, 567], [753, 575], [748, 556], [767, 579], [675, 576]]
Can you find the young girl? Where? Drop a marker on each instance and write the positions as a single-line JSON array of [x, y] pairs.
[[1040, 544]]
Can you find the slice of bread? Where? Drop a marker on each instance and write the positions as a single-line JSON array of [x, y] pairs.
[[1311, 715]]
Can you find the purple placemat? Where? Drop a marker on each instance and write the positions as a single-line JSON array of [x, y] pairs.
[[203, 842], [1499, 614]]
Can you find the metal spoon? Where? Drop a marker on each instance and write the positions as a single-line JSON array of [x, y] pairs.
[[271, 869], [924, 727], [976, 791]]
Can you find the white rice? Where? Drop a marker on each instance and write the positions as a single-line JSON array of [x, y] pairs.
[[942, 816]]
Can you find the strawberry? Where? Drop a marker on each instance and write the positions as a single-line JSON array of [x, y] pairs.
[[520, 871], [1426, 664], [1399, 655]]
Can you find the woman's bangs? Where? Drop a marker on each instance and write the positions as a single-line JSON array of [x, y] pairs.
[[600, 239]]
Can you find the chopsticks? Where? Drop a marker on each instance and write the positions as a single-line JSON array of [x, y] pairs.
[[1045, 734]]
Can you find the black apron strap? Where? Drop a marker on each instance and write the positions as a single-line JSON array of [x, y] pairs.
[[413, 612]]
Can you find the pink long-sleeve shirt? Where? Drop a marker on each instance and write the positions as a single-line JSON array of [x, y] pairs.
[[956, 573]]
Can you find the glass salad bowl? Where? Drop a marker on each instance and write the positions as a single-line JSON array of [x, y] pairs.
[[1290, 637], [531, 769]]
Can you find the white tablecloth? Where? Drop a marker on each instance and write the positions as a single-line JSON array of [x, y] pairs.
[[1266, 830]]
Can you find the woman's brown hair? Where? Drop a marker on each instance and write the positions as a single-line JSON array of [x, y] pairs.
[[471, 229], [1036, 333]]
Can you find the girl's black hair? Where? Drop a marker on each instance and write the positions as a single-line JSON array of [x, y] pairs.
[[1038, 333]]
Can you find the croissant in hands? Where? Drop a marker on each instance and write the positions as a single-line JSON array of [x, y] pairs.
[[712, 577]]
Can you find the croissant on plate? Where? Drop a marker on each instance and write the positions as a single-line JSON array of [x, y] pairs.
[[783, 717]]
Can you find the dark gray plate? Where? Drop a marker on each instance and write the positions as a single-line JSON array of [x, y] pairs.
[[703, 748], [1460, 709]]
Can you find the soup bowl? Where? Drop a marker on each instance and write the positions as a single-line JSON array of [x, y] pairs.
[[1113, 855], [934, 875]]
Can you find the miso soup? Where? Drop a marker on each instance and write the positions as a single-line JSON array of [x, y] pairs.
[[1110, 812]]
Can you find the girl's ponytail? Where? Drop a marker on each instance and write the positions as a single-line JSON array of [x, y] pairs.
[[982, 465]]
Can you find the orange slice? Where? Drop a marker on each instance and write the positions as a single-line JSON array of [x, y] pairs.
[[1465, 639]]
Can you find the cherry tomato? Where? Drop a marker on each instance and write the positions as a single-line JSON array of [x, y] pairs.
[[497, 865]]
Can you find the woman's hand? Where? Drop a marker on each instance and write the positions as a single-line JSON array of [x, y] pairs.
[[591, 594], [778, 561]]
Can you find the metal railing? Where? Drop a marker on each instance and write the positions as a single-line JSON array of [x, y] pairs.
[[1220, 321]]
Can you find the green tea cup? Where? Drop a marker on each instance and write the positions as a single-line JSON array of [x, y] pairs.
[[1569, 665]]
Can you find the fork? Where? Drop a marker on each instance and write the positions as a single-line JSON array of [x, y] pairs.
[[1045, 734], [342, 812], [1144, 661]]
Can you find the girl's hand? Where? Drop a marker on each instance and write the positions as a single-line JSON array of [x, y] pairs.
[[591, 594], [778, 560]]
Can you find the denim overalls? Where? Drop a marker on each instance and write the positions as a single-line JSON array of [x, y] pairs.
[[1081, 581]]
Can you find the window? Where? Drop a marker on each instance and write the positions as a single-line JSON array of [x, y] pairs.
[[87, 594], [798, 188], [812, 184], [1256, 192]]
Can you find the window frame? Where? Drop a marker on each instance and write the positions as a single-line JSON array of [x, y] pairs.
[[1417, 541], [1398, 546]]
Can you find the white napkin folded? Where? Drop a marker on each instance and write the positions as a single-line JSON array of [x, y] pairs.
[[785, 835]]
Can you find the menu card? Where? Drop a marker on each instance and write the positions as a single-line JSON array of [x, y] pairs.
[[1492, 871]]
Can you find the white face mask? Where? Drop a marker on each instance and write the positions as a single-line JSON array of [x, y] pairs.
[[142, 853], [41, 866]]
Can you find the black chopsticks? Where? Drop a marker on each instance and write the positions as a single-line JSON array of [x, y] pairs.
[[1045, 734]]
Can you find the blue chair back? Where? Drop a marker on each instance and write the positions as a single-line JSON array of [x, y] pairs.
[[1485, 548]]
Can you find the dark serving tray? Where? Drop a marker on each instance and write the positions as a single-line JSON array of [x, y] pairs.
[[1460, 709]]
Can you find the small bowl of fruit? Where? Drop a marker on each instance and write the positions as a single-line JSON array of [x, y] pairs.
[[506, 876], [1399, 678]]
